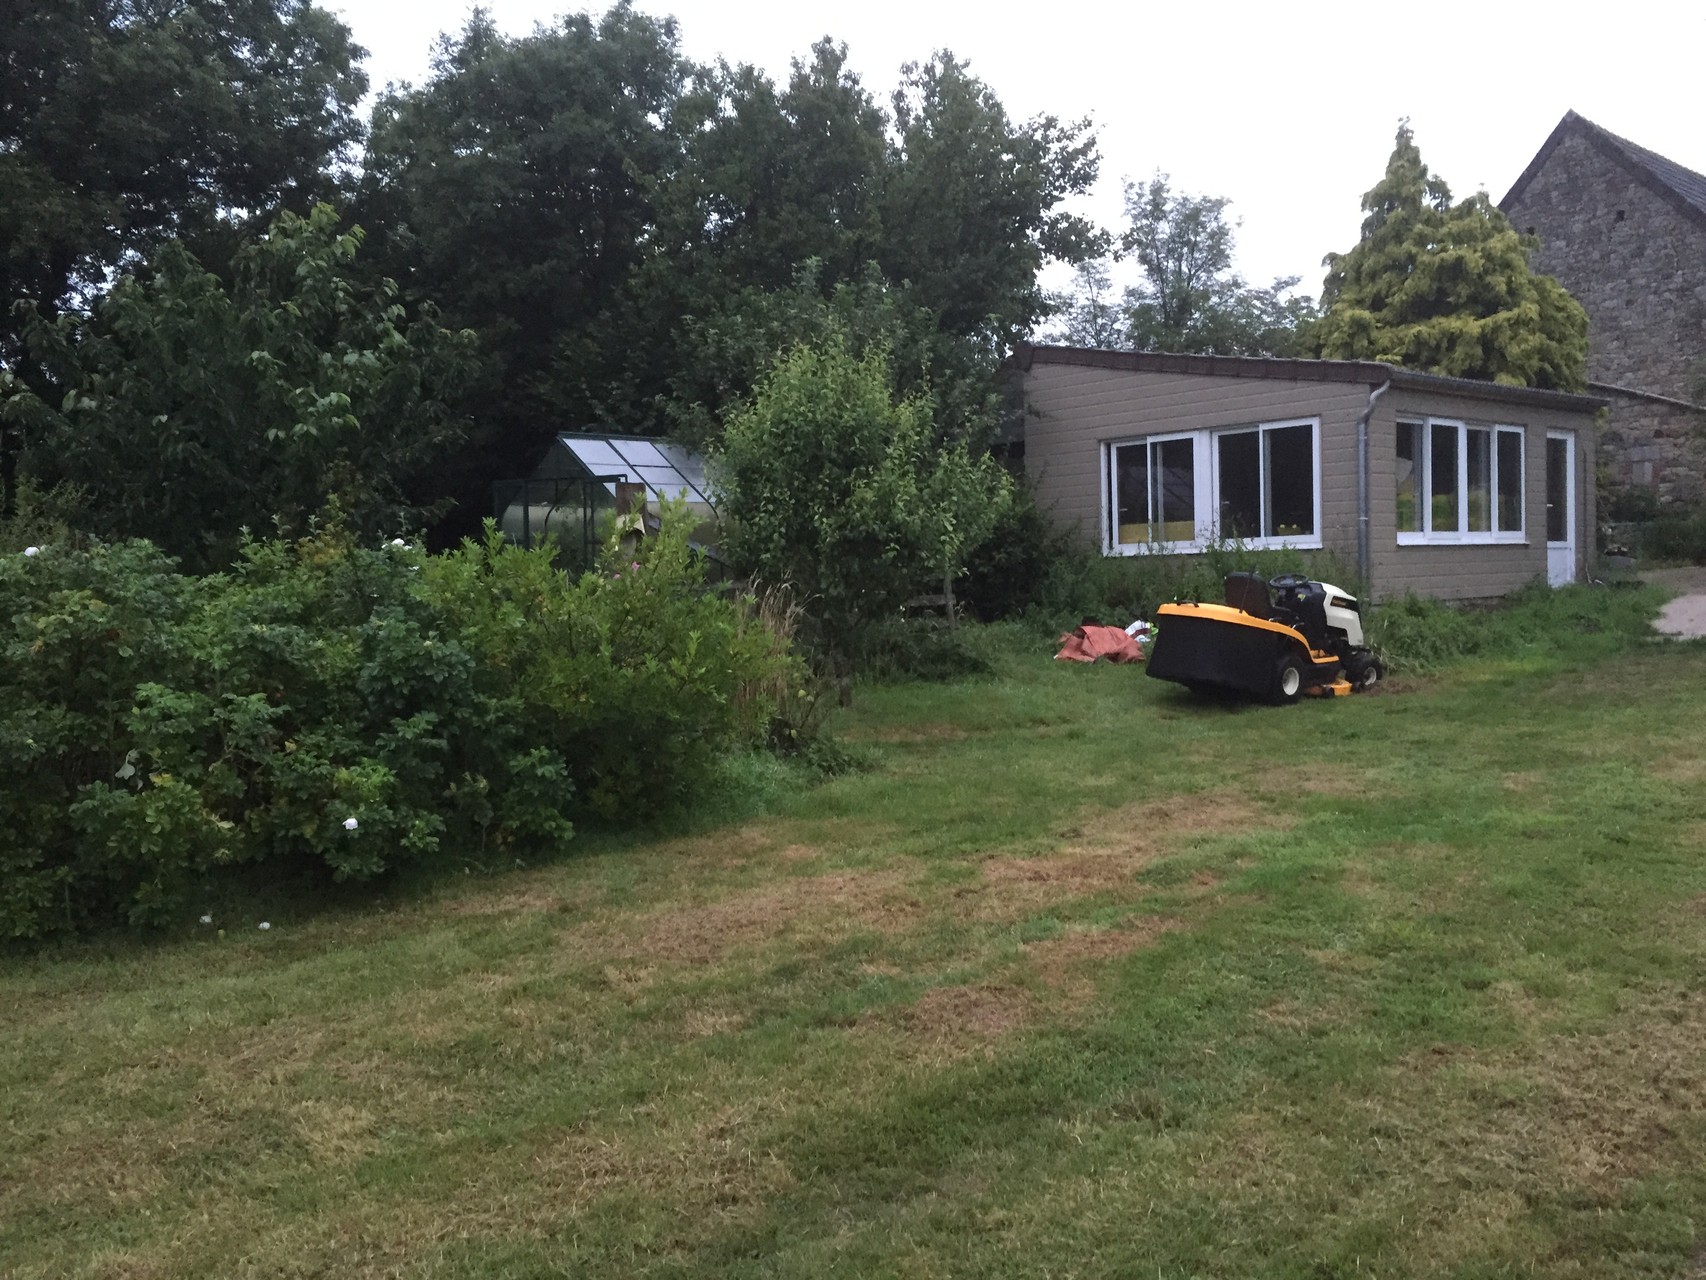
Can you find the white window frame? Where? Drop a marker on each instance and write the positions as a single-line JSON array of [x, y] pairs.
[[1200, 494], [1463, 535], [1303, 542], [1205, 471]]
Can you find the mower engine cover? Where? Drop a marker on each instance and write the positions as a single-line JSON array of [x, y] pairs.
[[1343, 612]]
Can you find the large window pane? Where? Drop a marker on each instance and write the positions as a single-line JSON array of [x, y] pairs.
[[1442, 479], [1510, 482], [1131, 490], [1290, 470], [1240, 485], [1173, 479], [1409, 477], [1478, 499]]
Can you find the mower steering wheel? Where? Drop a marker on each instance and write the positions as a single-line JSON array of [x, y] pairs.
[[1288, 582]]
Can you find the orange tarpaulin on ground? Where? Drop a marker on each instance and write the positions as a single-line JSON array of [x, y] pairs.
[[1091, 642]]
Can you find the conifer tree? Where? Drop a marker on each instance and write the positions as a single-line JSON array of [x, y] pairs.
[[1447, 288]]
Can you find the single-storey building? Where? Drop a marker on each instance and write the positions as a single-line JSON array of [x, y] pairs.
[[1443, 486]]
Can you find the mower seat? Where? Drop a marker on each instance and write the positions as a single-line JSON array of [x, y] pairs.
[[1249, 592], [1304, 606]]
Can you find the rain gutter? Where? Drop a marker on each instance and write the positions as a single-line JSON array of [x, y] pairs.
[[1363, 487]]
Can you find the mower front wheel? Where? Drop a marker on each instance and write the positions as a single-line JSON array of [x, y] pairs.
[[1364, 671], [1288, 680]]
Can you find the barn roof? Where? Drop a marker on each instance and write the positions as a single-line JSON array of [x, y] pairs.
[[1682, 187]]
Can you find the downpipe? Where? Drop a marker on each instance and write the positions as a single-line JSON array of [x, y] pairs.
[[1364, 583]]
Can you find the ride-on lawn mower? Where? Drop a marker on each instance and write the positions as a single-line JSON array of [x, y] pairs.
[[1274, 640]]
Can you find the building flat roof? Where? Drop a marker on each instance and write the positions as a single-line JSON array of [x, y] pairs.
[[1370, 373]]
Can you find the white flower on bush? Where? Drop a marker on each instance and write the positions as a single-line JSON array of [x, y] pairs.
[[32, 551], [263, 925], [207, 919], [398, 542], [350, 824]]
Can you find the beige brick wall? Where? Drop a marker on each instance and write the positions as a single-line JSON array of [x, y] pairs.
[[1476, 571], [1075, 410]]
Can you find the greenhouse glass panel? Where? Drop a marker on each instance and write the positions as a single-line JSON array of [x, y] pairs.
[[596, 456], [692, 470], [640, 453], [666, 480]]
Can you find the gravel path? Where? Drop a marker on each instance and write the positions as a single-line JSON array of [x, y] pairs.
[[1685, 616]]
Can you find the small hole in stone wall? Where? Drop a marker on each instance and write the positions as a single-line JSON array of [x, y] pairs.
[[1619, 217]]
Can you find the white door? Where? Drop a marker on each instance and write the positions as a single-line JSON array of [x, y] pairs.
[[1560, 507]]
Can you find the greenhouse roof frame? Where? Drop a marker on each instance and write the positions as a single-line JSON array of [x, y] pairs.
[[667, 469]]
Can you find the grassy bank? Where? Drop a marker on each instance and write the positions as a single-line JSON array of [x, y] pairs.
[[1082, 978]]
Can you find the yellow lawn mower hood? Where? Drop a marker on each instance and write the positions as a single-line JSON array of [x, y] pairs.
[[1274, 640]]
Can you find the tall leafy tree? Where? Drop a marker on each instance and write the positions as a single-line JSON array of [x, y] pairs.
[[725, 354], [515, 187], [631, 234], [1188, 298], [773, 207], [772, 176], [1091, 313], [188, 409], [1447, 288], [972, 209], [127, 122], [928, 222]]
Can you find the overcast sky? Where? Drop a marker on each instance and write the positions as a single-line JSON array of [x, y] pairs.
[[1287, 110]]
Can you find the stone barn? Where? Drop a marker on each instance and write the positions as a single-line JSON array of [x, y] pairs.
[[1624, 230]]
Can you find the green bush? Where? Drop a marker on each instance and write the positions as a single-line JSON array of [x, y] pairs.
[[82, 632], [352, 709], [918, 648], [830, 483], [1677, 536], [1117, 589], [1628, 503], [1416, 636], [633, 675], [1419, 637], [1012, 570]]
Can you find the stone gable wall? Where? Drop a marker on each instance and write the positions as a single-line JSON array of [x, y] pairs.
[[1638, 265], [1641, 278], [1653, 446]]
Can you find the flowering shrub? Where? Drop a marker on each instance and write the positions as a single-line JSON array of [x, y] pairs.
[[341, 706], [631, 675], [80, 632]]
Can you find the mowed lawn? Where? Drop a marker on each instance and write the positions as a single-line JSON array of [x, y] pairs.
[[1081, 978]]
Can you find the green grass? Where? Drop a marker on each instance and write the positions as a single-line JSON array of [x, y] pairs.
[[1080, 978]]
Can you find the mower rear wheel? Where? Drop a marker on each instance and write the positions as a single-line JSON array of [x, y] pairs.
[[1364, 671], [1288, 679]]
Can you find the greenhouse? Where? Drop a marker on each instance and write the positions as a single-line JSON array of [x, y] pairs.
[[584, 480]]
